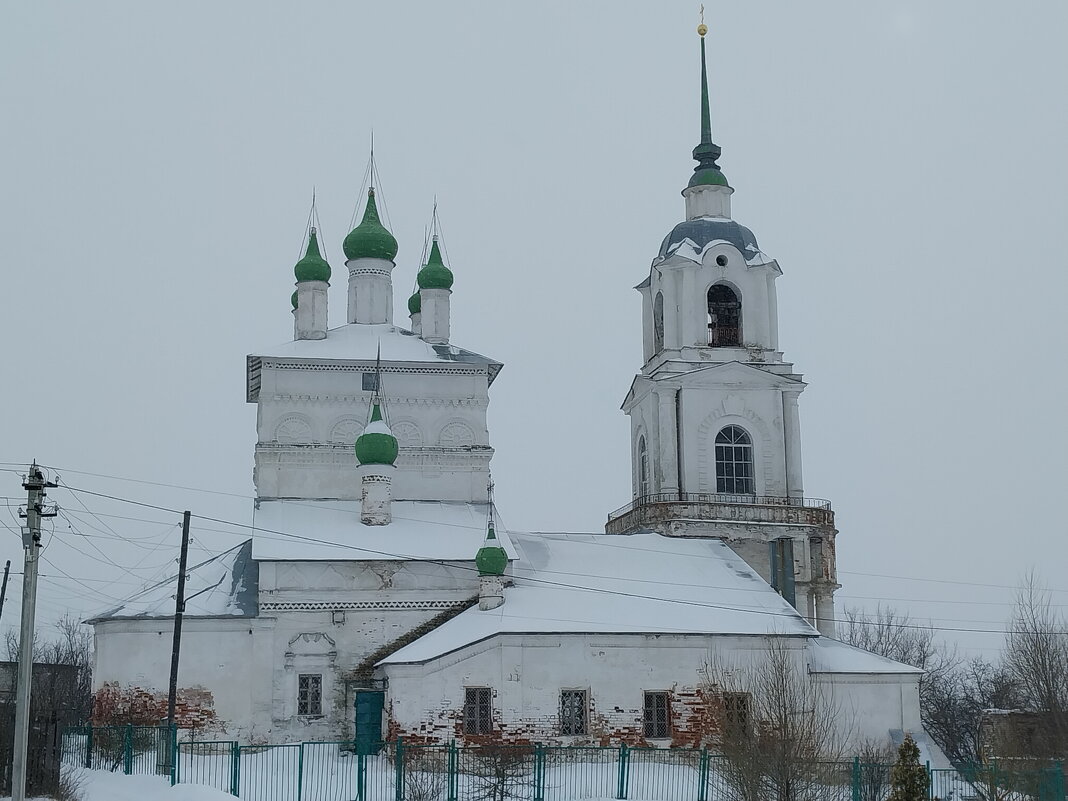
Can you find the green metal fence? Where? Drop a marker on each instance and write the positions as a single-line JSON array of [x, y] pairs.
[[334, 771]]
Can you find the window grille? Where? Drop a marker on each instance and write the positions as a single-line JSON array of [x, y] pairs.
[[310, 694], [370, 382], [734, 462], [736, 715], [573, 712], [478, 711], [656, 715]]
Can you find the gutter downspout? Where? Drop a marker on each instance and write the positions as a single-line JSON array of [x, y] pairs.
[[678, 439]]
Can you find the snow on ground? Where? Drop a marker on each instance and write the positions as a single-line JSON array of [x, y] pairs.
[[102, 785]]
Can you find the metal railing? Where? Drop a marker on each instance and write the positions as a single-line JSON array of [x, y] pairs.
[[719, 498], [398, 771]]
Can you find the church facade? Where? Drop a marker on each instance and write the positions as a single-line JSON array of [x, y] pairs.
[[379, 598]]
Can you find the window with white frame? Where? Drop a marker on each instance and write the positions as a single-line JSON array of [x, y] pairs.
[[734, 462], [573, 712], [478, 710], [656, 718], [310, 694]]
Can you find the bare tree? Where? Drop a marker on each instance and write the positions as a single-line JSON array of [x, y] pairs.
[[67, 690], [774, 742], [1036, 656], [953, 693]]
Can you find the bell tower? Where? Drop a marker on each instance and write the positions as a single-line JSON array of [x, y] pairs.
[[715, 427]]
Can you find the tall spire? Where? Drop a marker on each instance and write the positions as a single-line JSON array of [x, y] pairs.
[[707, 172]]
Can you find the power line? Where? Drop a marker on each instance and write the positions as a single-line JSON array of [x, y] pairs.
[[792, 614]]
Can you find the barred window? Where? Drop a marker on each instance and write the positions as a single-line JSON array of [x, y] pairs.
[[734, 462], [478, 711], [656, 715], [370, 382], [573, 712], [736, 714], [309, 694]]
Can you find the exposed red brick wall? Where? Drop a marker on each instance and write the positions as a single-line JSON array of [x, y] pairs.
[[696, 721], [115, 705]]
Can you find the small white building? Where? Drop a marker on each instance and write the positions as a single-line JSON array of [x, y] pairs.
[[376, 598]]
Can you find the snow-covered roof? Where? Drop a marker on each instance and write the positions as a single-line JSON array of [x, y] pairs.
[[358, 342], [692, 239], [226, 585], [331, 530], [831, 656], [640, 583]]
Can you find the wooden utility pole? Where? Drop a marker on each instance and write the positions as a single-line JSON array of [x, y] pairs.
[[34, 485], [179, 609]]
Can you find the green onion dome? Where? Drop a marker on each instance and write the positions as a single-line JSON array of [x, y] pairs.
[[312, 267], [370, 239], [491, 559], [376, 445], [294, 299], [415, 305], [434, 275]]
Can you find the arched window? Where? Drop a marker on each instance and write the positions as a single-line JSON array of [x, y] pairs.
[[724, 317], [643, 468], [734, 462], [658, 323]]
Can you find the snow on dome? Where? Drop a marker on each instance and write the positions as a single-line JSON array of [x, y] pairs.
[[692, 238]]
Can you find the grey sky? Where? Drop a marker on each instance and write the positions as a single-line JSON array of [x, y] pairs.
[[904, 162]]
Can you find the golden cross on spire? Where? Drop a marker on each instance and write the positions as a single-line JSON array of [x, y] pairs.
[[702, 29]]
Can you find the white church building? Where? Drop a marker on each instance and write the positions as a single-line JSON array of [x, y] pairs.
[[378, 598]]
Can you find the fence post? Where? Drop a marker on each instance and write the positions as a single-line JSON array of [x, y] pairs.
[[300, 772], [174, 753], [89, 749], [235, 769], [399, 766], [702, 777], [453, 771], [930, 779], [127, 750], [539, 772], [993, 780], [621, 791], [361, 775]]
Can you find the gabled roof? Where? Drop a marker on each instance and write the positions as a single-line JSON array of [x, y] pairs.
[[226, 585], [642, 583]]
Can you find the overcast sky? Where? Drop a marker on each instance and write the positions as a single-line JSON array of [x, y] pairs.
[[904, 162]]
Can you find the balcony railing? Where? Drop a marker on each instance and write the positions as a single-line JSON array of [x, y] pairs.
[[720, 336], [661, 507]]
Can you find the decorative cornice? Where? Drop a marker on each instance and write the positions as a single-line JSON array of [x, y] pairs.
[[314, 606], [369, 367]]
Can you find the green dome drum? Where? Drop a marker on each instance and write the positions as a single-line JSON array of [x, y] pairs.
[[370, 239], [377, 445], [491, 559], [313, 267], [435, 275], [415, 304]]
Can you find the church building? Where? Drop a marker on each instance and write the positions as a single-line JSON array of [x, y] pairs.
[[379, 596]]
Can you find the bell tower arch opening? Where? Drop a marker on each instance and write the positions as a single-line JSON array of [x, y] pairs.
[[724, 317]]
